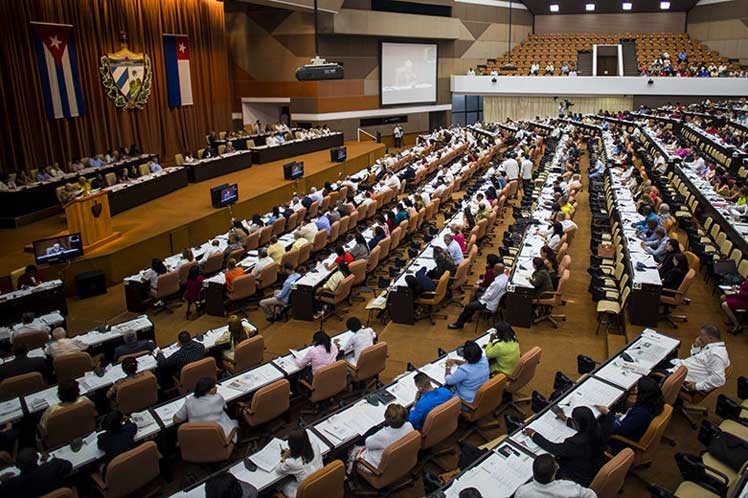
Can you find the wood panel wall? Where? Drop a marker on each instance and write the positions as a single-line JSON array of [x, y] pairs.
[[642, 22]]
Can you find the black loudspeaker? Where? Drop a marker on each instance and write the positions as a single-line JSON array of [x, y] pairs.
[[90, 283]]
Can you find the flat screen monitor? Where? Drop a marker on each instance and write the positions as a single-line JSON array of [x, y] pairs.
[[293, 170], [224, 195], [338, 154], [408, 73], [58, 249]]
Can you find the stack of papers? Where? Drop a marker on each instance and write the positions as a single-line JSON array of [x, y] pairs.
[[269, 457]]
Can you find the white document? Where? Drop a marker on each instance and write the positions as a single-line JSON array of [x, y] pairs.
[[269, 457]]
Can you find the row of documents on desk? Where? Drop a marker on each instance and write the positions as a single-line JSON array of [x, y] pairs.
[[509, 464], [44, 286], [730, 211], [534, 238]]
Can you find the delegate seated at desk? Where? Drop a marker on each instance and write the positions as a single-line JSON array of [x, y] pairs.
[[61, 344], [322, 353], [233, 271], [420, 282], [396, 427], [427, 398], [300, 460], [23, 364], [29, 323], [471, 373], [206, 405], [362, 338], [545, 485], [189, 351], [117, 438], [31, 277], [130, 369], [68, 392], [707, 363], [488, 301], [37, 477], [132, 345], [582, 455], [281, 298]]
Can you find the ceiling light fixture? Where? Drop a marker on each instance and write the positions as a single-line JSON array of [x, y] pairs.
[[554, 7], [589, 7], [664, 5], [626, 6]]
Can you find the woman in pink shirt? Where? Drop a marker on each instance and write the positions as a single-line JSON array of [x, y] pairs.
[[322, 353], [458, 236]]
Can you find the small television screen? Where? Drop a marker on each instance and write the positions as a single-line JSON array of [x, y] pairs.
[[58, 249], [338, 154], [224, 195], [293, 170]]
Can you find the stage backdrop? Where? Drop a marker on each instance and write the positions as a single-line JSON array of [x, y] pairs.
[[30, 139]]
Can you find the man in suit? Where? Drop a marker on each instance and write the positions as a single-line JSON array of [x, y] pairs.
[[36, 479], [188, 352], [132, 345], [23, 364]]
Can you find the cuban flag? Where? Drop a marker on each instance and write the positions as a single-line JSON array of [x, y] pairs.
[[178, 80], [58, 67]]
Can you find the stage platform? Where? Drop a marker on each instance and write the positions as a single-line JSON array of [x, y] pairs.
[[183, 218]]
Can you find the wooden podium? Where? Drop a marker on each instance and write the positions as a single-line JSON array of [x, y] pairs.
[[89, 215]]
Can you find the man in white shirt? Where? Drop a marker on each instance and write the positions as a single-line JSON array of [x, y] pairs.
[[489, 301], [707, 363], [61, 344], [447, 176], [362, 338], [263, 262], [545, 485], [316, 195], [453, 248], [392, 181], [526, 175], [567, 224], [309, 230]]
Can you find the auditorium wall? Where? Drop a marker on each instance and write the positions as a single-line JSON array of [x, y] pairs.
[[642, 22], [30, 139], [267, 44], [525, 107], [722, 26]]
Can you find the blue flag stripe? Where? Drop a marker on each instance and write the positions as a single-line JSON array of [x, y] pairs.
[[45, 78], [63, 90], [172, 71], [74, 69]]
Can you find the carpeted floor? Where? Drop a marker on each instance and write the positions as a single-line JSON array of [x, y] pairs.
[[418, 343]]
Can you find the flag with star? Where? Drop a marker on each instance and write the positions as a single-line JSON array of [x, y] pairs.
[[178, 79], [58, 68]]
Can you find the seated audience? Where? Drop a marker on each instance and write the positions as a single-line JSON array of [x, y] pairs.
[[117, 438], [237, 331], [206, 405], [502, 349], [736, 301], [321, 353], [132, 345], [488, 301], [31, 277], [232, 272], [579, 456], [545, 485], [68, 391], [362, 338], [193, 290], [187, 352], [281, 297], [707, 363], [647, 403], [61, 344], [22, 363], [428, 397], [29, 323], [130, 369], [396, 426], [226, 485], [37, 477], [301, 459], [471, 373], [276, 249]]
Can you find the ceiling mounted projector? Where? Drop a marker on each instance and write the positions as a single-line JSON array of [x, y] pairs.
[[318, 70]]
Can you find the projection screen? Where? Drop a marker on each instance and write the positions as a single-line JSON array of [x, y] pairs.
[[407, 73]]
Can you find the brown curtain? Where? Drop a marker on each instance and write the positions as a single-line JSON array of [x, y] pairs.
[[30, 139]]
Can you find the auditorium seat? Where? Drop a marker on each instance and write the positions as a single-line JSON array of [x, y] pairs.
[[205, 442], [129, 472], [21, 385], [247, 354]]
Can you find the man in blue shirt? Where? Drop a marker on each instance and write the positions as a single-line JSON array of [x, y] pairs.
[[323, 223], [471, 373], [427, 399], [598, 170], [648, 215], [155, 166], [281, 298], [657, 247], [94, 161]]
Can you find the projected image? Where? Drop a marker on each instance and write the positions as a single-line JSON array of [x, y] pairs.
[[408, 73]]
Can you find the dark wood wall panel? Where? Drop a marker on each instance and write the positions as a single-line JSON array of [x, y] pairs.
[[719, 11], [657, 22]]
